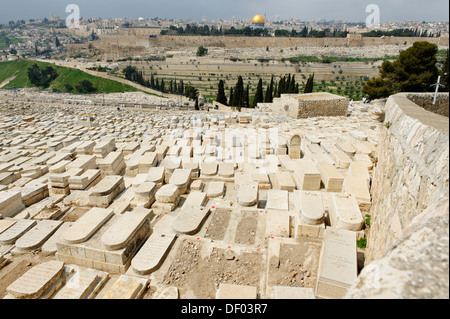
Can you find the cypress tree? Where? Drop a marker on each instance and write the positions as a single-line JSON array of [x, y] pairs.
[[196, 104], [181, 88], [292, 85], [238, 99], [281, 86], [247, 96], [152, 81], [259, 95], [269, 93], [287, 84], [309, 84], [221, 97], [275, 91], [230, 103]]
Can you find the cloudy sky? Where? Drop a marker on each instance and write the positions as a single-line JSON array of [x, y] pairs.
[[353, 10]]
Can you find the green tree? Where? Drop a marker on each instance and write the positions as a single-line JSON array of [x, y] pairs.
[[238, 98], [41, 78], [34, 74], [201, 51], [85, 86], [221, 97], [129, 71], [259, 94], [247, 96], [269, 92], [196, 107], [69, 87], [230, 101], [309, 84], [444, 74], [191, 92], [414, 71]]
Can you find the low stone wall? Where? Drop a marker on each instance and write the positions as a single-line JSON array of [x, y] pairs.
[[412, 171], [299, 106], [425, 100]]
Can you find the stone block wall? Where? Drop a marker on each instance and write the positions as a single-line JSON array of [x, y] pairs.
[[126, 44], [310, 105], [412, 172]]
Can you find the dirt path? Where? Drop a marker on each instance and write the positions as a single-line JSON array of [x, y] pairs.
[[6, 81]]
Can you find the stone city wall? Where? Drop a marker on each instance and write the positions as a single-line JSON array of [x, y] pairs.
[[412, 171], [128, 45]]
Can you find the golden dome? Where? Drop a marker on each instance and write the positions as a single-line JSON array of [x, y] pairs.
[[258, 19]]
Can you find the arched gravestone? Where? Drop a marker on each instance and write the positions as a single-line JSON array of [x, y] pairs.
[[294, 146]]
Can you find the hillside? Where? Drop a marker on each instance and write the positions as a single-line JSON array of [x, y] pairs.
[[17, 70]]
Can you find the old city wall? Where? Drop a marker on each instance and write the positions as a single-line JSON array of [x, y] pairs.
[[126, 45], [412, 171]]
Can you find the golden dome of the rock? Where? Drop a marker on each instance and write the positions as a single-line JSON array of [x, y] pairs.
[[258, 19]]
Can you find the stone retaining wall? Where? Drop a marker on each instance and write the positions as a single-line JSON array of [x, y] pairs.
[[412, 171]]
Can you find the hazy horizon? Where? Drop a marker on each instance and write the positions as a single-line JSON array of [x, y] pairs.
[[352, 10]]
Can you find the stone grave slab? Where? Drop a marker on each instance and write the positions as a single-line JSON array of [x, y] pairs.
[[226, 170], [232, 291], [149, 159], [5, 224], [36, 237], [215, 189], [152, 254], [306, 175], [36, 281], [170, 163], [190, 219], [102, 194], [338, 267], [248, 194], [277, 200], [10, 203], [196, 198], [346, 148], [357, 186], [104, 147], [112, 164], [341, 159], [156, 175], [167, 194], [87, 225], [127, 287], [332, 179], [49, 247], [124, 229], [285, 181], [83, 162], [344, 212], [181, 178], [144, 194], [311, 207], [82, 284], [208, 169], [89, 178], [10, 235]]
